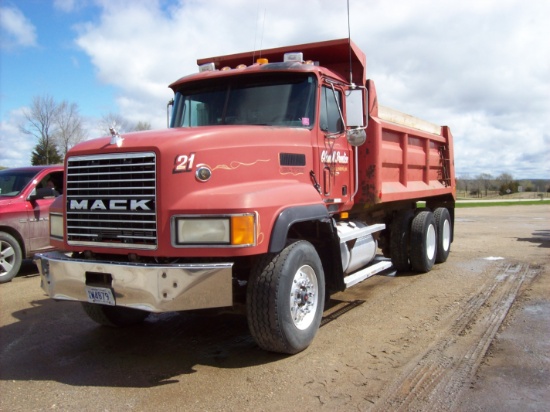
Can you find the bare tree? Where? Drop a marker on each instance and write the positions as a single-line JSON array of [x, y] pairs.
[[116, 121], [70, 130], [40, 122], [142, 126], [484, 182], [507, 184], [463, 183], [121, 124]]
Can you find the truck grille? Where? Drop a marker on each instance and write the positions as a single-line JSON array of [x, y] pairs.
[[111, 200]]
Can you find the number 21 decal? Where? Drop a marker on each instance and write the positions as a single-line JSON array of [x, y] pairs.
[[184, 163]]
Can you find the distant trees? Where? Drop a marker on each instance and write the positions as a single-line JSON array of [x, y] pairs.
[[70, 129], [56, 126], [59, 126], [40, 122], [507, 184], [121, 124], [45, 154], [484, 183]]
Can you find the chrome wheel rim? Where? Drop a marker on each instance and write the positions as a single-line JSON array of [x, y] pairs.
[[303, 297], [446, 235], [7, 258], [430, 242]]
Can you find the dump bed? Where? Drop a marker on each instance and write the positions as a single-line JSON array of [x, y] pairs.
[[404, 158]]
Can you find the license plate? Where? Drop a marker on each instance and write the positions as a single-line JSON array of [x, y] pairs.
[[102, 296]]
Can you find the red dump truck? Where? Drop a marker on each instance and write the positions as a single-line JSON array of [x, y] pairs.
[[279, 181]]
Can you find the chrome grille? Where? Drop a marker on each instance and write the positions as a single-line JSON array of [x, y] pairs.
[[111, 200]]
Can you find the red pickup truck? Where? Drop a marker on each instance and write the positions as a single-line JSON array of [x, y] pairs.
[[26, 194]]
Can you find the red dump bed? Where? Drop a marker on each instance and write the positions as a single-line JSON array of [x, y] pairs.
[[404, 158]]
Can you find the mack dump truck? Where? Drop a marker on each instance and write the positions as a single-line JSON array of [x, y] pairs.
[[279, 181]]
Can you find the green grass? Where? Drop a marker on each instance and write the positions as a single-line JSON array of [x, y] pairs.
[[489, 203]]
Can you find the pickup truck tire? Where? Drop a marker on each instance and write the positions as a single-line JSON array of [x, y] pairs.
[[423, 242], [400, 230], [285, 298], [10, 257], [114, 316], [444, 234]]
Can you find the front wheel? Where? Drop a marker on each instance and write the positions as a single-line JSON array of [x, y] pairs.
[[114, 316], [285, 299], [11, 257]]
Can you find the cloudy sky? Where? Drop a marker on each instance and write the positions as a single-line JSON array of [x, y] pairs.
[[480, 66]]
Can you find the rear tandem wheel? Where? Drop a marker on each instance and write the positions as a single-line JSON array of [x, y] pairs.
[[423, 242]]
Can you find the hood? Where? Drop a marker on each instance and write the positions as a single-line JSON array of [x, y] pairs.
[[192, 138]]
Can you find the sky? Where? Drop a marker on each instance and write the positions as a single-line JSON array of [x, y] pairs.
[[481, 67]]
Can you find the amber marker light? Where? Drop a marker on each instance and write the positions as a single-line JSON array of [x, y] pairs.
[[262, 60], [242, 230]]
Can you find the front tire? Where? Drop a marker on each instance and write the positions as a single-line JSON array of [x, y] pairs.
[[423, 242], [114, 316], [11, 257], [285, 299]]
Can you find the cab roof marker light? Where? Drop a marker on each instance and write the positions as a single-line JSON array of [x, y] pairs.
[[294, 57], [241, 66], [208, 67], [262, 60]]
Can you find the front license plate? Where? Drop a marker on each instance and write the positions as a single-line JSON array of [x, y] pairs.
[[102, 296]]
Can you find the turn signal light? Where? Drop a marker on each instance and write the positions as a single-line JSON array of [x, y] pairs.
[[242, 230]]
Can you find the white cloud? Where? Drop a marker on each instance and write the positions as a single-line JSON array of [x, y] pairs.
[[13, 142], [480, 67], [66, 6], [15, 29]]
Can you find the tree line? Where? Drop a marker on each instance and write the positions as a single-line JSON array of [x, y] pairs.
[[485, 184], [58, 126]]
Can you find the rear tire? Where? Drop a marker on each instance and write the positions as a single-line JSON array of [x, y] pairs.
[[400, 230], [444, 234], [423, 242], [11, 257], [114, 316], [285, 299]]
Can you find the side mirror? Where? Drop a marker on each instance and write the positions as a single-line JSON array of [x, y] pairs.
[[170, 103], [42, 193], [357, 136], [355, 109]]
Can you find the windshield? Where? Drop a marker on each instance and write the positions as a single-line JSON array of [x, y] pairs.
[[12, 182], [282, 99]]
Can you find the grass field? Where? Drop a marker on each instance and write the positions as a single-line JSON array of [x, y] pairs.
[[488, 203]]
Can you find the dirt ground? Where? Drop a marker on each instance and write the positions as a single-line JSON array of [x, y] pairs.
[[471, 335]]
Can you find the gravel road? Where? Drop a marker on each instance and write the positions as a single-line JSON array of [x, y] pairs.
[[471, 335]]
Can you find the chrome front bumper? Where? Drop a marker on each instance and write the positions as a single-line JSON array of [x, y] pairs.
[[150, 287]]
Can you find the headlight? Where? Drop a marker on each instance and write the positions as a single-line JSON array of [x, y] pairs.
[[56, 225], [202, 231], [238, 230]]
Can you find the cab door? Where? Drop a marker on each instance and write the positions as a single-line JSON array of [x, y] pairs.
[[334, 152], [38, 210]]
